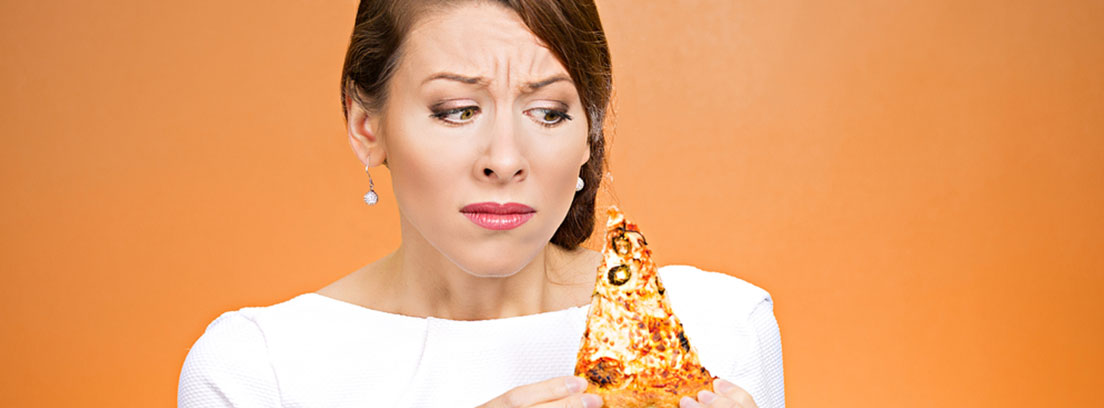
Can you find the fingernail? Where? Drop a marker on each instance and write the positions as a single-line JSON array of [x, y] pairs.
[[592, 401], [576, 384], [687, 402], [706, 397], [723, 386]]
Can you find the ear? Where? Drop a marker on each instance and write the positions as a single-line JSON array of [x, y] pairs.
[[586, 154], [364, 133]]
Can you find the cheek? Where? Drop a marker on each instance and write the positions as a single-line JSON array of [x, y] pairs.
[[557, 167], [423, 173], [564, 152]]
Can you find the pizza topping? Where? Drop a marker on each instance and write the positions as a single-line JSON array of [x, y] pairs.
[[619, 274], [683, 342], [621, 244], [606, 373]]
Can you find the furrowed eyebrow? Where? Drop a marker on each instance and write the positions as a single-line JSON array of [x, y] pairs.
[[534, 86], [527, 87], [457, 77]]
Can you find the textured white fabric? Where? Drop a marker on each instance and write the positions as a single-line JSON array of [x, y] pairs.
[[315, 351]]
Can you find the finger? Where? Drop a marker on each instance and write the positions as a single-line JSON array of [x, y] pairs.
[[733, 392], [544, 391], [712, 400], [574, 401], [687, 402], [706, 397]]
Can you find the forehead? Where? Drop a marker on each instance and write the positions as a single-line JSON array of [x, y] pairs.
[[477, 39]]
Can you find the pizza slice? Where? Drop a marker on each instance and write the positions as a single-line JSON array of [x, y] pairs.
[[634, 351]]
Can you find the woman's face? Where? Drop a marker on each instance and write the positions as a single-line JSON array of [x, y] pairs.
[[480, 112]]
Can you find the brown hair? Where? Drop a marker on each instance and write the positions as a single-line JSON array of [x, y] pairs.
[[569, 28]]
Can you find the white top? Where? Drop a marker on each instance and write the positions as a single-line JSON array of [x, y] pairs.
[[316, 351]]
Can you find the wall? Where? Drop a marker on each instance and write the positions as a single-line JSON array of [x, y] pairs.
[[919, 184]]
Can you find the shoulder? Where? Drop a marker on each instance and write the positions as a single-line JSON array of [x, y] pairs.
[[247, 326], [228, 365], [232, 362], [693, 288], [233, 334], [299, 349], [305, 322]]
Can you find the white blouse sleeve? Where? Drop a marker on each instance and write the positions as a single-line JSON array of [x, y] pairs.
[[229, 366], [770, 355]]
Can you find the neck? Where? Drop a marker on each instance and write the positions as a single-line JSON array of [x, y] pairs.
[[424, 285]]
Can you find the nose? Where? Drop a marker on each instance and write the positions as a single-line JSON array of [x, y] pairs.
[[503, 160]]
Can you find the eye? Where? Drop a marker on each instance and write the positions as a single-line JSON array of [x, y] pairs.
[[457, 116], [548, 117]]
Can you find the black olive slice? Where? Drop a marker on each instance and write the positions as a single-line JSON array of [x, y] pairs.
[[619, 274], [621, 244]]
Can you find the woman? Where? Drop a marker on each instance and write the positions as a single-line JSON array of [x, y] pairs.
[[488, 114]]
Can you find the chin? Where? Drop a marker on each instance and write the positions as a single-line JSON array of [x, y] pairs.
[[498, 262], [483, 255]]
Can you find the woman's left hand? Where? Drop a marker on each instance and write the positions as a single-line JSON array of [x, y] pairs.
[[727, 395]]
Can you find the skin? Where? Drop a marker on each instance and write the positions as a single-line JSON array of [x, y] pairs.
[[497, 150], [488, 142], [728, 395]]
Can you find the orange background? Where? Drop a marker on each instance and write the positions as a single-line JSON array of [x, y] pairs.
[[919, 184]]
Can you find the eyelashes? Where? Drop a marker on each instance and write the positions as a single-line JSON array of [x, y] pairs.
[[546, 117], [551, 117], [456, 116]]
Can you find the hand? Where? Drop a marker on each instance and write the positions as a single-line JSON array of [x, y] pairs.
[[728, 396], [559, 392]]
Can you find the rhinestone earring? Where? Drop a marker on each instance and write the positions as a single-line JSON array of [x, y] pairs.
[[370, 198], [579, 184]]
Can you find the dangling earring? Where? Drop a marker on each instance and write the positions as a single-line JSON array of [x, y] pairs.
[[371, 198], [579, 184]]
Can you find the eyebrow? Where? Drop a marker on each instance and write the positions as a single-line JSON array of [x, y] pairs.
[[457, 77], [528, 87], [533, 86]]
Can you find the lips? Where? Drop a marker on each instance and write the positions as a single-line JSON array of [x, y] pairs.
[[495, 216], [496, 208]]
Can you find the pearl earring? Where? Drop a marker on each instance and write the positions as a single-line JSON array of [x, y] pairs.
[[370, 198], [579, 184]]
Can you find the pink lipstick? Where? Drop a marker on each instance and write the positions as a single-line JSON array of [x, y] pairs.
[[495, 216]]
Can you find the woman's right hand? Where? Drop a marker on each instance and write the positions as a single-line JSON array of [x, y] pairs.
[[559, 392]]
